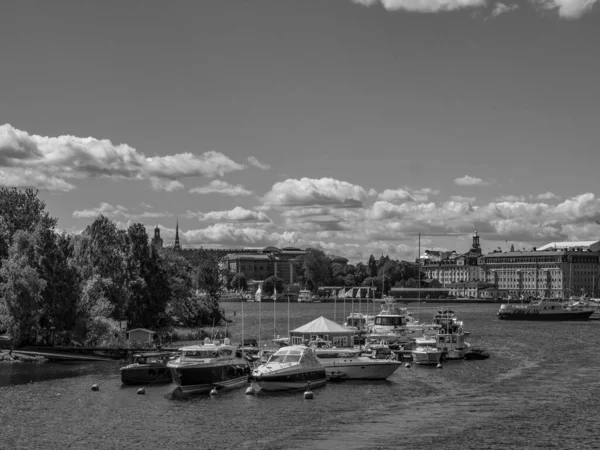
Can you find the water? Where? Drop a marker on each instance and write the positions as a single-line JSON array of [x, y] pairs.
[[540, 389]]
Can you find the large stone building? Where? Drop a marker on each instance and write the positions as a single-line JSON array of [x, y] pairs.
[[452, 267], [558, 269]]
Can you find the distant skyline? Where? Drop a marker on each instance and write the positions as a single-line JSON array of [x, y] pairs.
[[346, 125]]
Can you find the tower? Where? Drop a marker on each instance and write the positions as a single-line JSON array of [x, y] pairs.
[[157, 240], [476, 247], [177, 246]]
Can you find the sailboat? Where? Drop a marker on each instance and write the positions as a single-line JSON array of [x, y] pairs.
[[258, 295]]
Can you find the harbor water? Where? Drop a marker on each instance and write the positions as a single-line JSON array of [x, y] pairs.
[[540, 389]]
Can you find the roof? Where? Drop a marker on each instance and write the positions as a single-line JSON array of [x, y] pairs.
[[248, 256], [322, 325], [566, 245], [143, 329]]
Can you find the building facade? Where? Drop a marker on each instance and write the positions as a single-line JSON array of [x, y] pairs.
[[554, 271], [451, 267]]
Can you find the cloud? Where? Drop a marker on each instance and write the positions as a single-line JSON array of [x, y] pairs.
[[470, 181], [159, 184], [501, 8], [225, 234], [315, 192], [256, 163], [547, 196], [221, 187], [406, 194], [568, 9], [237, 214], [424, 6], [20, 177], [511, 198], [120, 212], [51, 161]]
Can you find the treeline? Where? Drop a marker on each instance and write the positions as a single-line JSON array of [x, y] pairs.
[[316, 269], [82, 287]]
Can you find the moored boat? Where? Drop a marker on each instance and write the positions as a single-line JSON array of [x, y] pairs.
[[149, 367], [202, 368], [290, 368], [426, 351], [544, 309], [349, 364]]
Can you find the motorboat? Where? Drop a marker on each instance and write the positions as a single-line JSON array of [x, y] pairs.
[[426, 351], [149, 367], [452, 343], [544, 309], [477, 353], [213, 365], [350, 364], [305, 296], [446, 318], [290, 368]]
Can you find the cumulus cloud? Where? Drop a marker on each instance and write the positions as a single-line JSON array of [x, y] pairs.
[[568, 9], [424, 6], [315, 192], [53, 160], [221, 187], [470, 181], [159, 184], [511, 198], [502, 8], [225, 234], [30, 178], [406, 194], [547, 196], [256, 163], [237, 214], [116, 212]]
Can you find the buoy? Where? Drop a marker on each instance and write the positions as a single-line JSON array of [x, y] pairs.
[[250, 391], [308, 395], [439, 366], [141, 391], [407, 365], [214, 391], [95, 387]]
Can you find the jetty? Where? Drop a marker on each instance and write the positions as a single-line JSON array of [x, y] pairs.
[[84, 354]]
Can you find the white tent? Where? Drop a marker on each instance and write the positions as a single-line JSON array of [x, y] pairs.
[[323, 328]]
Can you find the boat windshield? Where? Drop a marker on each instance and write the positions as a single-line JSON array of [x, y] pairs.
[[286, 356], [200, 354], [388, 321]]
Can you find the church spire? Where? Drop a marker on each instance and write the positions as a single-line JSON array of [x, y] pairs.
[[177, 246]]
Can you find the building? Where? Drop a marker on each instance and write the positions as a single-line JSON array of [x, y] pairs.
[[451, 267], [325, 329], [140, 335], [253, 267], [176, 246], [556, 270], [157, 241]]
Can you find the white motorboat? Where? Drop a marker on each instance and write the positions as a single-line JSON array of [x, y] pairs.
[[349, 364], [426, 351], [201, 368], [290, 368], [544, 309]]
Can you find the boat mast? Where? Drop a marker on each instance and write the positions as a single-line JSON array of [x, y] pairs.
[[274, 302], [419, 278]]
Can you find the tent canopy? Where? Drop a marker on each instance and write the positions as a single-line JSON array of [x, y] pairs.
[[322, 325]]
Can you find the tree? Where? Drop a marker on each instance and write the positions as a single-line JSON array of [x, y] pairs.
[[349, 280], [21, 287], [272, 283], [59, 297], [315, 267], [372, 266], [20, 210], [239, 282]]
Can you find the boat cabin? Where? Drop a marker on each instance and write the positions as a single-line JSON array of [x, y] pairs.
[[151, 357]]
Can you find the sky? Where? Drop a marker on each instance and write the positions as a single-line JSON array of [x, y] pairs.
[[351, 126]]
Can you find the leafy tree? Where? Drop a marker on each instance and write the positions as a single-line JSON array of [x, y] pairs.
[[315, 267], [20, 210], [239, 282], [270, 284], [349, 280], [362, 272], [372, 266], [59, 297], [21, 287]]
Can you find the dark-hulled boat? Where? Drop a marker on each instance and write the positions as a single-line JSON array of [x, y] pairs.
[[149, 367], [544, 309], [201, 368]]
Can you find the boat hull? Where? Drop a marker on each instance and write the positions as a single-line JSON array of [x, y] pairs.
[[276, 381], [203, 378], [359, 370], [426, 358], [540, 316], [143, 374]]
